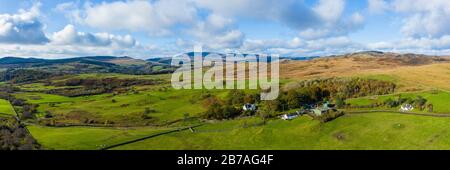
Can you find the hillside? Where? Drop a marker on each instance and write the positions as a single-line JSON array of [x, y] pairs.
[[108, 110], [168, 60], [351, 64], [14, 62], [28, 69]]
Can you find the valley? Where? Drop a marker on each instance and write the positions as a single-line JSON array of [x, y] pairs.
[[107, 107]]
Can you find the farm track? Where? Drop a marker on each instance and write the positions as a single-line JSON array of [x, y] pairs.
[[20, 121], [446, 115], [151, 136], [114, 126], [4, 114]]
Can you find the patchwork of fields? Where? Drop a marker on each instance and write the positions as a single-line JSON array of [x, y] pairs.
[[362, 131], [365, 131], [87, 138], [370, 131], [438, 98], [6, 109], [140, 113]]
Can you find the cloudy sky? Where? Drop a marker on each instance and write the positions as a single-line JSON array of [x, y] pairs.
[[144, 29]]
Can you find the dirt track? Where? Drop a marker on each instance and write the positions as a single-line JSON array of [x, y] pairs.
[[404, 113]]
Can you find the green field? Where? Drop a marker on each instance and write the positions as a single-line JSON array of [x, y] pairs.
[[370, 131], [438, 98], [352, 131], [6, 109], [365, 131], [87, 138], [167, 106]]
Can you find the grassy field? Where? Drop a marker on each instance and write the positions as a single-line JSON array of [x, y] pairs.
[[439, 99], [166, 106], [87, 138], [362, 131], [369, 131], [6, 109], [37, 87]]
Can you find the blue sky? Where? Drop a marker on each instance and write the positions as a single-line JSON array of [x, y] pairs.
[[144, 29]]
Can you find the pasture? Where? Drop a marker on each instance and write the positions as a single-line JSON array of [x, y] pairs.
[[439, 99], [87, 138], [165, 105], [6, 109], [362, 132]]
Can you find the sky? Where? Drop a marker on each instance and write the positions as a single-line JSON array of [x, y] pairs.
[[158, 28]]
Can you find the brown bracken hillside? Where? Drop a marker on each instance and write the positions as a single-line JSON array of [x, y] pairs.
[[357, 63]]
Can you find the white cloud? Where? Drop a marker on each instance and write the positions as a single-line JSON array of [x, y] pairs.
[[217, 32], [23, 27], [322, 27], [217, 29], [71, 11], [323, 19], [330, 10], [65, 51], [231, 39], [255, 45], [154, 17], [292, 13], [329, 43], [430, 18], [333, 22], [342, 27], [70, 36], [426, 26], [247, 8], [414, 44], [314, 33], [377, 6], [298, 47]]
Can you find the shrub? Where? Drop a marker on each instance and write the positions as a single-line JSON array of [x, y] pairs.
[[330, 115]]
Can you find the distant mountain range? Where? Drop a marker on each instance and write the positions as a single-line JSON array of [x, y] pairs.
[[27, 68], [18, 70], [14, 62], [112, 62], [168, 60]]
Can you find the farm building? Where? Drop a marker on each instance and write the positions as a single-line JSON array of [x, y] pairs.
[[319, 111], [249, 107], [293, 115], [406, 108], [289, 116], [329, 106]]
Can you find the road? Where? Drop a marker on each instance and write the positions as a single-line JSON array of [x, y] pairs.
[[397, 112]]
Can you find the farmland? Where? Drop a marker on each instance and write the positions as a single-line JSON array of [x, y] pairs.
[[83, 138], [6, 109], [113, 114], [369, 131]]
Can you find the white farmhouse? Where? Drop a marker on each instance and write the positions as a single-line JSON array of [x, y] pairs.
[[289, 116], [406, 108], [249, 107]]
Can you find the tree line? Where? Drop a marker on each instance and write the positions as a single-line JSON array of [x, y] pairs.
[[94, 86], [300, 95], [14, 136]]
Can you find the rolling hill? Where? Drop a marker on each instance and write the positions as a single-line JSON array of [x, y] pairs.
[[15, 62], [350, 64], [28, 69]]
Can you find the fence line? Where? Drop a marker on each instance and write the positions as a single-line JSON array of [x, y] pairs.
[[397, 112], [151, 136]]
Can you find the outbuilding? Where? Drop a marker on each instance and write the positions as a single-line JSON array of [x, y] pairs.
[[249, 107]]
